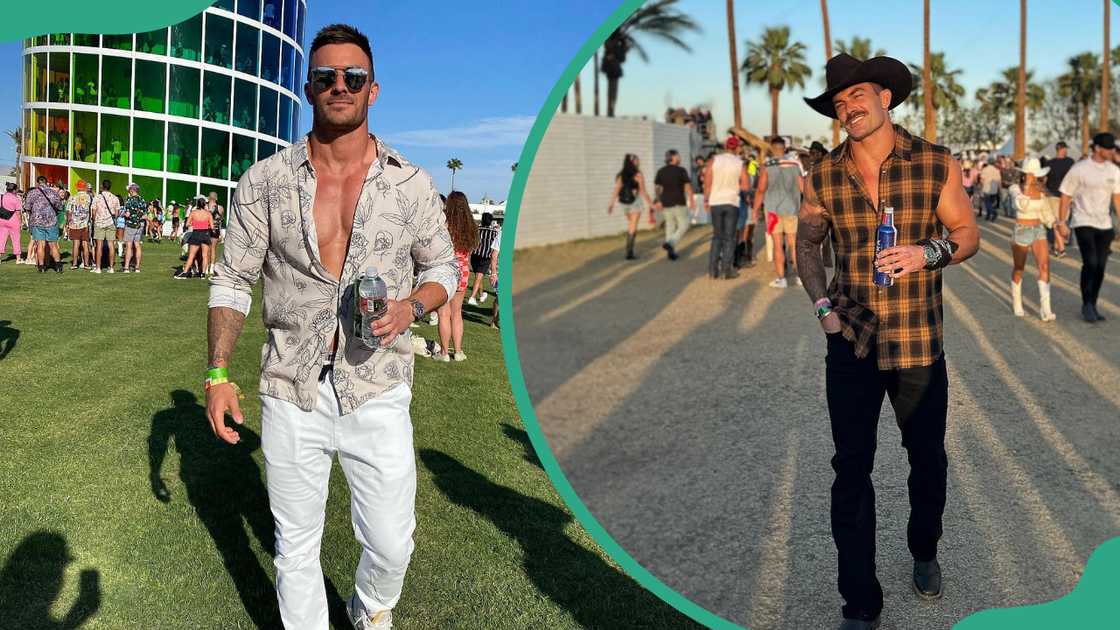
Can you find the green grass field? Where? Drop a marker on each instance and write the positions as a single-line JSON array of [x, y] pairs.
[[102, 402]]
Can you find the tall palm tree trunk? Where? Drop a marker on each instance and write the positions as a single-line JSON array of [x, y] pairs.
[[734, 63], [927, 82], [579, 97], [774, 112], [1021, 93], [612, 94], [1106, 68], [827, 56], [1085, 129], [596, 82], [564, 103]]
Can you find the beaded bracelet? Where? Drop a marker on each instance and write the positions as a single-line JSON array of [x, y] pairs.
[[823, 307]]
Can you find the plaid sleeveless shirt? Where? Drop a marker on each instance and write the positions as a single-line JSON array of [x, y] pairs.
[[904, 321]]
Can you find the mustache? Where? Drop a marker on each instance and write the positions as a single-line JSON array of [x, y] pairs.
[[852, 115]]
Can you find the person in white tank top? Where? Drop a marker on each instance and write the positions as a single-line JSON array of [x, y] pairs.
[[1033, 214], [724, 177]]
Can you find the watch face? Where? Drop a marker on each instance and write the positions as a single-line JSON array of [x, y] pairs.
[[417, 309]]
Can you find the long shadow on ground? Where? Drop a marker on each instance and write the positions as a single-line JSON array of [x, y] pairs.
[[573, 577], [8, 337], [32, 580]]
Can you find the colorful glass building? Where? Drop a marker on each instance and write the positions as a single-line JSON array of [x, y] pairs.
[[182, 110]]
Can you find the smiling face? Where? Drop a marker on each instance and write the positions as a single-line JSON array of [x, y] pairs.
[[337, 108], [862, 109]]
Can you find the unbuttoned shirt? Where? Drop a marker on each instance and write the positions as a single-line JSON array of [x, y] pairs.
[[42, 204], [399, 228], [904, 321]]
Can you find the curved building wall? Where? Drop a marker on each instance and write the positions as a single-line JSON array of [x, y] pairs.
[[181, 110]]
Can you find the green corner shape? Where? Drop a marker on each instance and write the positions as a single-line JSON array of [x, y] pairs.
[[1094, 604], [83, 16]]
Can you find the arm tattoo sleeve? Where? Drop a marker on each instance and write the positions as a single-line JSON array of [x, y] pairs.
[[223, 328], [812, 229]]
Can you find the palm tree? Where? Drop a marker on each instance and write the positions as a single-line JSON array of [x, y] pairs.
[[454, 164], [1021, 92], [777, 63], [659, 19], [927, 79], [827, 56], [734, 64], [596, 81], [1105, 70], [859, 47], [1003, 93], [16, 136], [513, 167], [1081, 84], [945, 90], [579, 99]]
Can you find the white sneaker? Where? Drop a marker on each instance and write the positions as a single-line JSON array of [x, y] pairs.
[[460, 356], [472, 301], [111, 270], [482, 298], [126, 270], [95, 270], [433, 319], [441, 357], [798, 281], [779, 283], [381, 620]]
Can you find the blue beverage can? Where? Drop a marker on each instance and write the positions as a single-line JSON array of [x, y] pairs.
[[885, 238]]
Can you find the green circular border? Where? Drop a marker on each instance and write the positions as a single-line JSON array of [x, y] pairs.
[[509, 338]]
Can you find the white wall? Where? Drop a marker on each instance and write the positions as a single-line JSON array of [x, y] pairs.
[[573, 175]]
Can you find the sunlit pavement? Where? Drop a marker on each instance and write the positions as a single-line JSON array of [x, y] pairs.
[[689, 415]]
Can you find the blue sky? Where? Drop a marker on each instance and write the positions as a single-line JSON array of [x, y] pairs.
[[458, 79], [979, 37]]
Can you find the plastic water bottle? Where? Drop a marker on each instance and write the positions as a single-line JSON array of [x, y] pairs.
[[885, 238], [372, 296]]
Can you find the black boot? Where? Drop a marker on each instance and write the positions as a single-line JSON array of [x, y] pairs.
[[630, 246], [740, 254], [927, 579]]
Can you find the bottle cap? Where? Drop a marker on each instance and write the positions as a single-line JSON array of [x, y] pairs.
[[888, 210], [371, 272]]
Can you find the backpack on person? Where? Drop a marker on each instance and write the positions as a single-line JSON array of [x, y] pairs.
[[628, 194]]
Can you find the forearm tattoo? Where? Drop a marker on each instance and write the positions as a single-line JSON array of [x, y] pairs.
[[223, 327], [939, 252], [812, 230]]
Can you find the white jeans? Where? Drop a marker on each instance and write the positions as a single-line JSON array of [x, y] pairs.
[[374, 447], [676, 224]]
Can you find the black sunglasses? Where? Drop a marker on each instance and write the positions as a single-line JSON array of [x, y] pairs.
[[323, 78]]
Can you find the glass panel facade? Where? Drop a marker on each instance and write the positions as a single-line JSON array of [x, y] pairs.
[[40, 40], [287, 69], [58, 134], [248, 40], [60, 78], [54, 174], [39, 71], [186, 39], [290, 18], [185, 87], [85, 79], [118, 182], [224, 4], [39, 137], [178, 190], [182, 149], [28, 78], [117, 42], [147, 144], [28, 129], [300, 12], [249, 8], [152, 42], [245, 104], [116, 82], [86, 39], [271, 13], [244, 154], [285, 119], [84, 137], [151, 86], [219, 41], [150, 187], [215, 154], [60, 39], [223, 198], [299, 76], [265, 149], [87, 175], [216, 90], [114, 140], [267, 124], [296, 131], [270, 57]]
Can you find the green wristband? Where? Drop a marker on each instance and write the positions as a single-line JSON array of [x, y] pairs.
[[217, 372]]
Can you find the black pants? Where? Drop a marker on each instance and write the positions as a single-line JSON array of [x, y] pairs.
[[1095, 246], [722, 253], [855, 389]]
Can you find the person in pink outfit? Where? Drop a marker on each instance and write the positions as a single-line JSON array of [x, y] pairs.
[[10, 226]]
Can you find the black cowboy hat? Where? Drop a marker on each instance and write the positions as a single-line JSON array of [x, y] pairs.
[[843, 71]]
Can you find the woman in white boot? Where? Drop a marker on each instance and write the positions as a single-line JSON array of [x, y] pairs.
[[1033, 215]]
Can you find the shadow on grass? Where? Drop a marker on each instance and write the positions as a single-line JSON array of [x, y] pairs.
[[226, 488], [522, 438], [32, 580], [595, 594], [8, 337]]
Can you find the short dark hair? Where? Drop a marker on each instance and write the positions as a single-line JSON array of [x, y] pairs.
[[341, 34], [11, 187], [42, 179], [670, 154], [1061, 145], [776, 139], [106, 184]]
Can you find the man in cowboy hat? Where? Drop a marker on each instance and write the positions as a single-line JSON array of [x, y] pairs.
[[882, 340]]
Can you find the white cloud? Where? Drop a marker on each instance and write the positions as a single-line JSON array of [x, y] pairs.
[[484, 133]]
